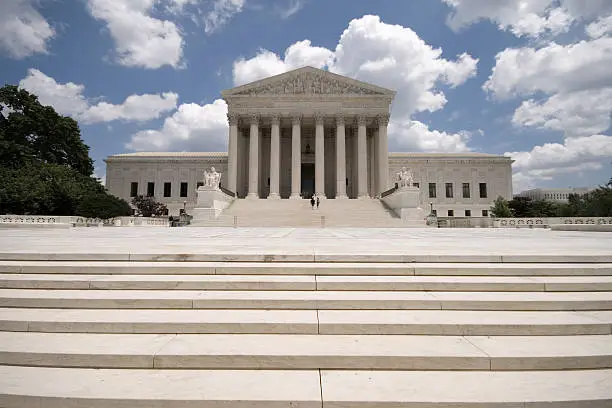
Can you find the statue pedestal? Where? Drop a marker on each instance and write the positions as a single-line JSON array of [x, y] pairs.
[[405, 202], [211, 202]]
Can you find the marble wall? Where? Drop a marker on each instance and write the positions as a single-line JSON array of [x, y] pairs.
[[177, 168]]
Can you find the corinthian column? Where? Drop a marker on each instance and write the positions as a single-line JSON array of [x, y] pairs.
[[340, 158], [383, 153], [232, 152], [362, 158], [275, 159], [254, 158], [296, 157], [319, 156]]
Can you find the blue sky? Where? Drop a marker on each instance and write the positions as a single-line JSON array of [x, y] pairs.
[[529, 79]]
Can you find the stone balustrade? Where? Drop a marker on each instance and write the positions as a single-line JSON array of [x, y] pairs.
[[75, 221], [545, 222]]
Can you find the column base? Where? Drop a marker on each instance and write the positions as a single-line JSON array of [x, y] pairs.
[[342, 197], [364, 197], [274, 196], [252, 196], [295, 196]]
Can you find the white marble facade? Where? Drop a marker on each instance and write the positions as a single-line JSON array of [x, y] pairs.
[[310, 131]]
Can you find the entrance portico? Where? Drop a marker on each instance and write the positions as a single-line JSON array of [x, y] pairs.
[[308, 131]]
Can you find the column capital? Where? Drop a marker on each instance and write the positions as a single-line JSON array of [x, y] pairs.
[[361, 120], [275, 119], [319, 118], [296, 118], [233, 118], [339, 120], [383, 119], [253, 119]]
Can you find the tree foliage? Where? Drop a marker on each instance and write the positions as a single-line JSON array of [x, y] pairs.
[[500, 208], [32, 133], [45, 166], [147, 206], [597, 203]]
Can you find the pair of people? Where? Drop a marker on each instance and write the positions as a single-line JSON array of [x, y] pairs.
[[314, 201]]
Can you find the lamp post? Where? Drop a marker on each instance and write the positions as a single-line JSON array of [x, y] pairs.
[[431, 207], [185, 207]]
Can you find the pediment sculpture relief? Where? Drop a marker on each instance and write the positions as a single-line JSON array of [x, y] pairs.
[[309, 83]]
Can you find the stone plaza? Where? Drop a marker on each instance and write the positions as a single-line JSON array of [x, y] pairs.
[[284, 317]]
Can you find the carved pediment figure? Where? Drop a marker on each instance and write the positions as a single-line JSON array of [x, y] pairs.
[[308, 81]]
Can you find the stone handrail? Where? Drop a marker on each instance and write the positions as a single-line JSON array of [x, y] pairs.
[[388, 192], [226, 191]]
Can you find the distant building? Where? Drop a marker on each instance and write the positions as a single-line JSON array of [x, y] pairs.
[[560, 195]]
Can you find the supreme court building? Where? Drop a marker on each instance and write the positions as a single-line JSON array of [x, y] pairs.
[[309, 131]]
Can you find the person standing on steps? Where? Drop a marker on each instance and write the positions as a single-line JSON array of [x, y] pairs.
[[318, 202], [312, 201]]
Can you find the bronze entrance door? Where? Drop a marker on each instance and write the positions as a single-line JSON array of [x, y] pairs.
[[308, 180]]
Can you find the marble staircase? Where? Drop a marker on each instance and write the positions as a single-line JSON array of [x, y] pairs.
[[92, 330], [298, 213]]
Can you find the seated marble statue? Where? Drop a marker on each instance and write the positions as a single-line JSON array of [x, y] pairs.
[[405, 178], [212, 178]]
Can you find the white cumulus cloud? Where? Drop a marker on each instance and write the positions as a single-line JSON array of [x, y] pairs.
[[23, 30], [68, 99], [388, 55], [526, 18], [192, 127], [552, 159], [140, 40]]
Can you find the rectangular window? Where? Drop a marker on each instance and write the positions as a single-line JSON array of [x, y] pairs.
[[134, 189], [449, 190], [184, 187], [466, 190], [167, 189], [451, 213], [468, 213], [483, 190], [432, 190], [150, 189], [485, 213]]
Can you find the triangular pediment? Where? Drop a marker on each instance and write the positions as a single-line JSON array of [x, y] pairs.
[[308, 81]]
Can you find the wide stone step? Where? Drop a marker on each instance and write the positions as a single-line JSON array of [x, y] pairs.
[[539, 389], [421, 322], [151, 388], [109, 388], [186, 299], [304, 268], [304, 282], [276, 351], [173, 321]]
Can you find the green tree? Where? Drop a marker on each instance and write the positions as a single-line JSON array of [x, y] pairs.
[[45, 166], [500, 208], [521, 207], [32, 133], [147, 206], [102, 205]]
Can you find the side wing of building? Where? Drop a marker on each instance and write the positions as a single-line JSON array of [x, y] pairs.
[[459, 185]]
